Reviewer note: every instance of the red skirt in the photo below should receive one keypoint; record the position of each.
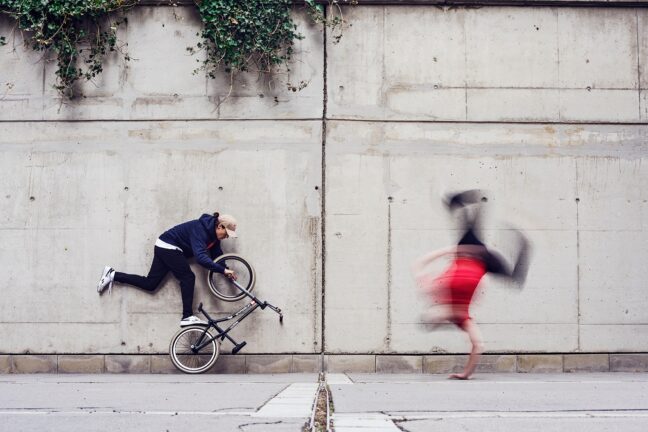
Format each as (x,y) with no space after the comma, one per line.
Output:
(457,285)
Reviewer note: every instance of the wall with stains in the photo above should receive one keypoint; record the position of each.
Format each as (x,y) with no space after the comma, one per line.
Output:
(543,107)
(95,181)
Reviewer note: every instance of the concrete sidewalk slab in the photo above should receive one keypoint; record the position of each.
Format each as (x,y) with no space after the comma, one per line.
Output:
(109,402)
(590,402)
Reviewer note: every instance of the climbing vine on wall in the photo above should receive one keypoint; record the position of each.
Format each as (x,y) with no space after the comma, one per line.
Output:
(80,33)
(254,35)
(237,35)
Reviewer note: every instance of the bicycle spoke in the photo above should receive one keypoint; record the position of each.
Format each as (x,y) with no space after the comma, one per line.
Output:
(188,360)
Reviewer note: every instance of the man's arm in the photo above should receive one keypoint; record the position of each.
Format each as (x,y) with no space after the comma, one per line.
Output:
(215,251)
(199,248)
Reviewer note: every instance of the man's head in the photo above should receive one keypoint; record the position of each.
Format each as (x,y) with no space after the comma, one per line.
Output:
(226,227)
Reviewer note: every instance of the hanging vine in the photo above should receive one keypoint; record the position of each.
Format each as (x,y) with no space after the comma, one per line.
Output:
(79,32)
(237,36)
(254,35)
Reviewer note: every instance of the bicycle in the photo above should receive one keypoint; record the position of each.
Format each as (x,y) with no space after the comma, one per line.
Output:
(195,349)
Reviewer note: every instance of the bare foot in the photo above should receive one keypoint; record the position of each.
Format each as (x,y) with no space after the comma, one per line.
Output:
(458,376)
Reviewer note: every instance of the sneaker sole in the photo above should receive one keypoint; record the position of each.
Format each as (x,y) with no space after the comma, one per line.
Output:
(102,285)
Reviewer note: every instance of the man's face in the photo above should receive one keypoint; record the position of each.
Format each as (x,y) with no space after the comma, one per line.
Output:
(221,232)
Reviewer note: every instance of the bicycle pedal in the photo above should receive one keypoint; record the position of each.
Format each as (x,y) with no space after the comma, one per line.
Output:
(238,347)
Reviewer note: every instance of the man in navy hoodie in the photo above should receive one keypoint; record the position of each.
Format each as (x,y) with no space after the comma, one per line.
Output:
(198,238)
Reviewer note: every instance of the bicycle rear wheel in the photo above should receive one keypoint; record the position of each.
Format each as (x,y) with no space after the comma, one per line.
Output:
(222,287)
(185,358)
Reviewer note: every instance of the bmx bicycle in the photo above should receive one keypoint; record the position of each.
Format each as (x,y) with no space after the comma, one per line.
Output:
(195,349)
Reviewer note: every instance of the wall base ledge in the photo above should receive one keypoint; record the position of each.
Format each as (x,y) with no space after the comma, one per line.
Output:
(332,363)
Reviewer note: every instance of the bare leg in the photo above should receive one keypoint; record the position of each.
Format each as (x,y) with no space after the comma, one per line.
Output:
(477,348)
(436,316)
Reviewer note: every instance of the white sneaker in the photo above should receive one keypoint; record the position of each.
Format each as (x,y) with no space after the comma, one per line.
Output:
(191,320)
(106,281)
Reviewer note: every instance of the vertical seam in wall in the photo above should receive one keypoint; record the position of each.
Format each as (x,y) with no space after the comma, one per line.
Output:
(323,187)
(389,275)
(383,99)
(578,272)
(43,89)
(465,34)
(558,65)
(638,66)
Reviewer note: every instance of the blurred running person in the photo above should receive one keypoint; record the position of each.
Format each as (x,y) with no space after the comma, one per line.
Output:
(454,289)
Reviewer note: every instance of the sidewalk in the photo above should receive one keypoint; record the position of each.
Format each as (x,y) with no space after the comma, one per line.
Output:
(590,402)
(593,402)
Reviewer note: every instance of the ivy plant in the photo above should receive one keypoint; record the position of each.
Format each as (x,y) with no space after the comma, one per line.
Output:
(253,35)
(79,32)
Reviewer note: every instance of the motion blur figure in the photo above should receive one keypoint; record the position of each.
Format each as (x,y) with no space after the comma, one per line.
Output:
(471,260)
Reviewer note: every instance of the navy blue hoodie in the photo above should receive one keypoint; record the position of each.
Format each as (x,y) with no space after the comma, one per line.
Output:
(194,237)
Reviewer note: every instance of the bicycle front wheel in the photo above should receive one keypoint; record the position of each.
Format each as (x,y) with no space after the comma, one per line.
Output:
(185,357)
(222,287)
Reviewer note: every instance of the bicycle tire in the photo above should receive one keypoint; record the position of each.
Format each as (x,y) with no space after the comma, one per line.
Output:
(184,358)
(221,286)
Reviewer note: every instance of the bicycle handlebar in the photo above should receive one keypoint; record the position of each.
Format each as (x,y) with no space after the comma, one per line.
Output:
(262,304)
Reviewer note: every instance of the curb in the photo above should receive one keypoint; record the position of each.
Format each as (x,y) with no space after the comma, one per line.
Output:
(334,363)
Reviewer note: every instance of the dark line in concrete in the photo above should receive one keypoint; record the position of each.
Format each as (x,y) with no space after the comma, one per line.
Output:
(323,187)
(558,65)
(169,120)
(449,3)
(465,36)
(638,66)
(500,3)
(43,87)
(404,353)
(578,272)
(432,416)
(344,119)
(419,87)
(389,276)
(491,122)
(502,353)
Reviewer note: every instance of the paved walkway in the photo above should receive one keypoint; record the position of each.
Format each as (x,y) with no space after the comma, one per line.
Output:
(493,402)
(362,402)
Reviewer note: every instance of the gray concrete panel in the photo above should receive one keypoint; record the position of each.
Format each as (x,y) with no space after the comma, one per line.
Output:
(598,48)
(78,191)
(511,47)
(488,64)
(21,75)
(97,202)
(403,170)
(159,81)
(612,283)
(624,337)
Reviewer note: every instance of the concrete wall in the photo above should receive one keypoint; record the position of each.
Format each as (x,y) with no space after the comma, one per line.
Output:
(545,107)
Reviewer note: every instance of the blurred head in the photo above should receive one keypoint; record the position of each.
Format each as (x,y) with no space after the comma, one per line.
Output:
(455,201)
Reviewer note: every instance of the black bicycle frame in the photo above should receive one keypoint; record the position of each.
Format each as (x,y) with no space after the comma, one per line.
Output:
(244,311)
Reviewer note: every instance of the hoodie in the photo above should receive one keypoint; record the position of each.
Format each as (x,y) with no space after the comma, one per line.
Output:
(197,238)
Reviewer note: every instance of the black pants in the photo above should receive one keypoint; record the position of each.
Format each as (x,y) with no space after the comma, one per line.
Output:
(165,260)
